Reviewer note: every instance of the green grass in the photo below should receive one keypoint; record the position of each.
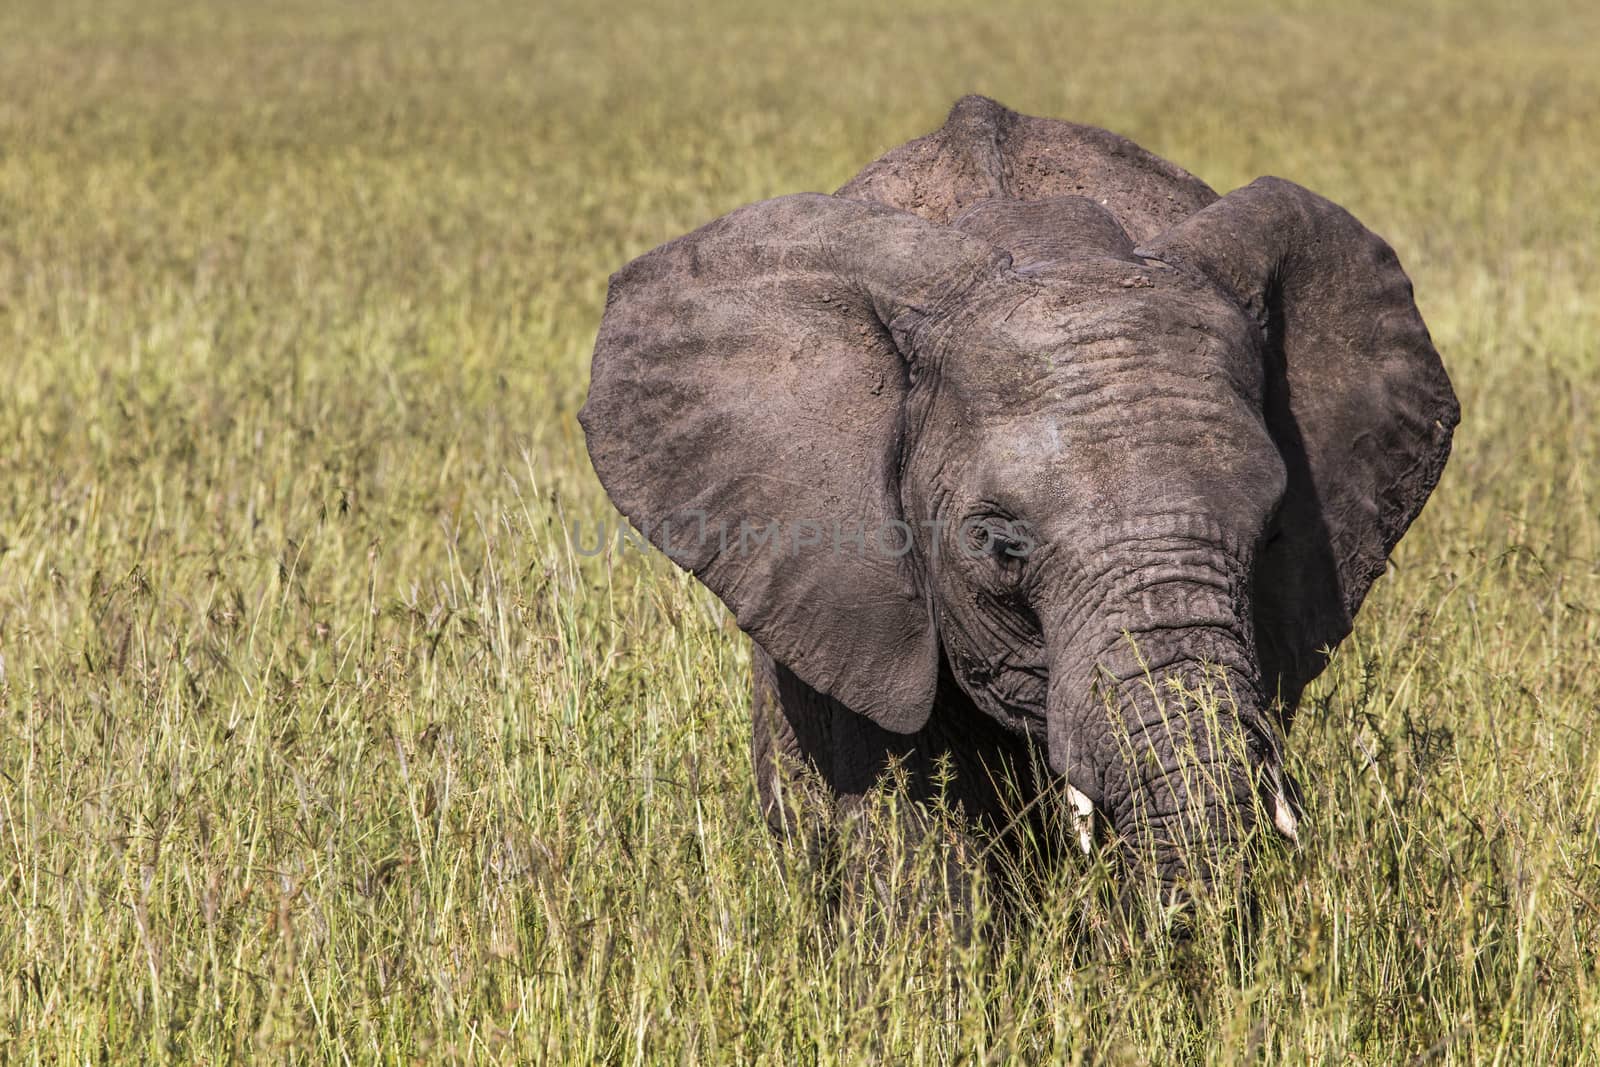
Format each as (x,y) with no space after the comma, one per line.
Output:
(319,742)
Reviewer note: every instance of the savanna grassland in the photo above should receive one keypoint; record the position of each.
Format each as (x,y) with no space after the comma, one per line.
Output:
(319,741)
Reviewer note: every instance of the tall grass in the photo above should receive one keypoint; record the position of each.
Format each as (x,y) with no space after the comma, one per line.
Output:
(319,740)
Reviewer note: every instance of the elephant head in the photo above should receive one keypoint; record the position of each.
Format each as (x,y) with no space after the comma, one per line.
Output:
(1066,465)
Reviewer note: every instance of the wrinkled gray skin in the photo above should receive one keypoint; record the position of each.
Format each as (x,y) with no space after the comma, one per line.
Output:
(1215,416)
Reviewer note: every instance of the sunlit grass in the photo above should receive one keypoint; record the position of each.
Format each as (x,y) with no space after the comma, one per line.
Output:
(318,739)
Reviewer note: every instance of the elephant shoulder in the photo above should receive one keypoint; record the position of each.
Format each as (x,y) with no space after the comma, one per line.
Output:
(986,150)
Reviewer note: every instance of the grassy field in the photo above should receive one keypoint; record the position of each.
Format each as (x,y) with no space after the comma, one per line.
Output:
(319,742)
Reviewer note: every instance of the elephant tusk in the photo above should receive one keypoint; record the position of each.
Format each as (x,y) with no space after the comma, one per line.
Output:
(1283,817)
(1082,818)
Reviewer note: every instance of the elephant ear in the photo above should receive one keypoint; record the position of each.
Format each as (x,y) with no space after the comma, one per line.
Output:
(1356,398)
(744,412)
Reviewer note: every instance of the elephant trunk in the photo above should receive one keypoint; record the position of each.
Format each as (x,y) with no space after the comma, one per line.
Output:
(1155,712)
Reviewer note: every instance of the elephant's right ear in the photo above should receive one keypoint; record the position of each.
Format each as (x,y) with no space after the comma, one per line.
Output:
(744,413)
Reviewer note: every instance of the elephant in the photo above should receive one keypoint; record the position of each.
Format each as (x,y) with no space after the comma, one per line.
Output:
(1009,452)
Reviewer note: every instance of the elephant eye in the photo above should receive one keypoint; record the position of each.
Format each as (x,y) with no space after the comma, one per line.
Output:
(1001,544)
(1002,541)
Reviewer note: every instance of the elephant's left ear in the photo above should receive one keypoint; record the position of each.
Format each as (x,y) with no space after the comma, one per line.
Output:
(1356,399)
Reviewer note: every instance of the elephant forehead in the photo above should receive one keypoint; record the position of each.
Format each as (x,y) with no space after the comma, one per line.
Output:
(1070,468)
(1119,328)
(1094,397)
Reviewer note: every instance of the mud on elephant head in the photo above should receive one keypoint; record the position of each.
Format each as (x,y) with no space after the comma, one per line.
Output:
(1120,430)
